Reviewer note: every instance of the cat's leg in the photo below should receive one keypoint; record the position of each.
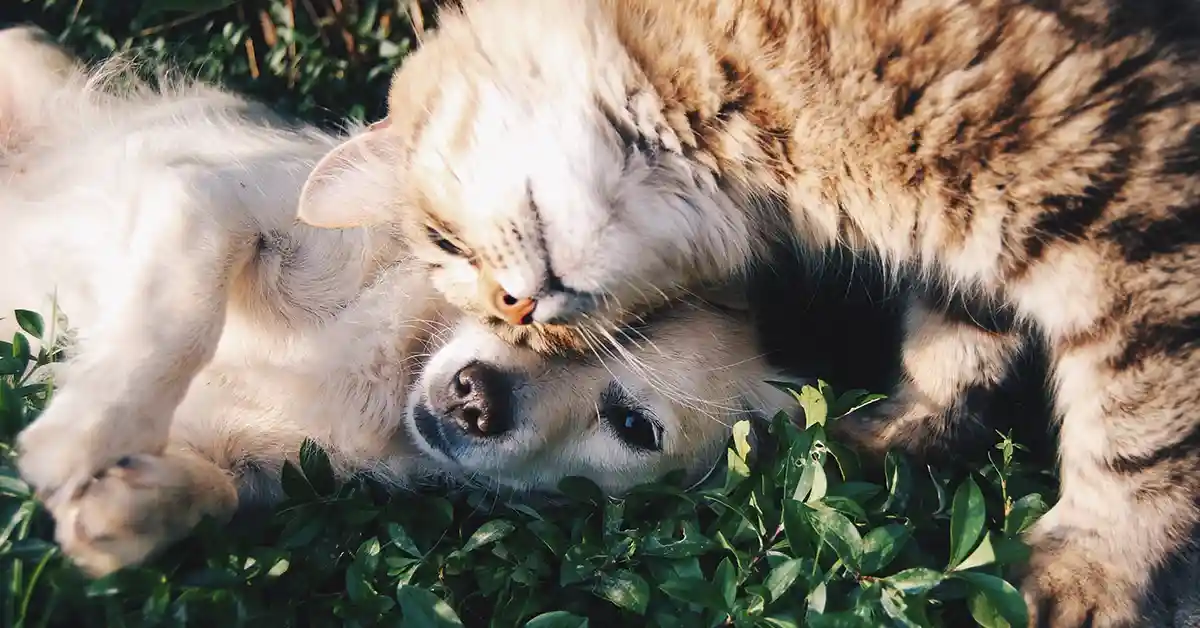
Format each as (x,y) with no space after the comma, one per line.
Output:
(951,362)
(160,325)
(1128,391)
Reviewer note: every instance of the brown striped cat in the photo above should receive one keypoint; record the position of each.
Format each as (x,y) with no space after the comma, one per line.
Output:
(563,166)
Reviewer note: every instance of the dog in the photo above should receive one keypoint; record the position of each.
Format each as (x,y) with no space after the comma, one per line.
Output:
(210,334)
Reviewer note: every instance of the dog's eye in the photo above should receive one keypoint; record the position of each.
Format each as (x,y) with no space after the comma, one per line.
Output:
(443,243)
(634,428)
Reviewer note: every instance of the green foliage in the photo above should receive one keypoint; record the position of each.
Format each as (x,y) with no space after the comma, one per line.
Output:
(791,534)
(796,534)
(324,60)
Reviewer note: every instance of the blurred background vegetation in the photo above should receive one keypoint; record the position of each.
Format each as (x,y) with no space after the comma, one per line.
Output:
(323,60)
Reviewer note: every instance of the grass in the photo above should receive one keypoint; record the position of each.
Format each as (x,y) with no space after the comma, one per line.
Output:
(797,533)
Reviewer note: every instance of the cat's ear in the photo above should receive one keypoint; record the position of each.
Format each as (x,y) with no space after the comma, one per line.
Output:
(355,185)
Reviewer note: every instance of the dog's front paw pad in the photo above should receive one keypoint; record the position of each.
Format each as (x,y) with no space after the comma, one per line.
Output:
(72,439)
(125,513)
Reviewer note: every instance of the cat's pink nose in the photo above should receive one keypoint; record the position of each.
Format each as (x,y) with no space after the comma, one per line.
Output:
(512,310)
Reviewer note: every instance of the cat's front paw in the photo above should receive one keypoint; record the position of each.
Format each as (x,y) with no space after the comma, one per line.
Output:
(893,423)
(1066,587)
(914,425)
(81,434)
(124,514)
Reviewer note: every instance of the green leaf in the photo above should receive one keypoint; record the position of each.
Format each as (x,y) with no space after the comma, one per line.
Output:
(852,401)
(12,485)
(581,489)
(984,554)
(797,527)
(899,482)
(368,554)
(31,323)
(1010,550)
(837,620)
(881,546)
(939,489)
(726,581)
(820,483)
(314,462)
(20,347)
(816,408)
(358,587)
(557,619)
(1024,513)
(401,539)
(696,591)
(907,611)
(817,598)
(153,9)
(487,534)
(690,543)
(836,529)
(967,514)
(294,484)
(915,581)
(625,589)
(781,621)
(783,576)
(550,535)
(741,439)
(424,609)
(736,470)
(10,365)
(994,601)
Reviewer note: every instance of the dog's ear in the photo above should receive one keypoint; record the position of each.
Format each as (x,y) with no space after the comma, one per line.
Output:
(34,68)
(355,184)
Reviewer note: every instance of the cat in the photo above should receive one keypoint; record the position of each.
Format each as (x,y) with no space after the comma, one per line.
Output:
(563,166)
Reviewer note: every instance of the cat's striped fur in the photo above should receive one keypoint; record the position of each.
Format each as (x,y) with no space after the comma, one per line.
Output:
(599,157)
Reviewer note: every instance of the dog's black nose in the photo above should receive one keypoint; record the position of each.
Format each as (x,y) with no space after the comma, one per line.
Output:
(480,402)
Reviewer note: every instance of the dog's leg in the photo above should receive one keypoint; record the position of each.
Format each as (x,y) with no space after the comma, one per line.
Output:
(135,508)
(160,326)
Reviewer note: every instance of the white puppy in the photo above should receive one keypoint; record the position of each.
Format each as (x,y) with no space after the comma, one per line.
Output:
(212,334)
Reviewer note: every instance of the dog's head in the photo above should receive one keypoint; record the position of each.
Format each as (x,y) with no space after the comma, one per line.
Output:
(656,398)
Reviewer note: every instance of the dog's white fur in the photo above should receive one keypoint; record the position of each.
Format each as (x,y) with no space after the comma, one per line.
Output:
(213,334)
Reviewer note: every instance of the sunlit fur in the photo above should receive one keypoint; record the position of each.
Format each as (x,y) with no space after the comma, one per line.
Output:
(1037,158)
(211,335)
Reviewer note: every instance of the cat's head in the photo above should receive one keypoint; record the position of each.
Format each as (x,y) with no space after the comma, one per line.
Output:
(534,176)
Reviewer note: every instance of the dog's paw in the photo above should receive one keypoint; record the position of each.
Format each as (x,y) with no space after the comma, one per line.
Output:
(1065,587)
(79,435)
(124,514)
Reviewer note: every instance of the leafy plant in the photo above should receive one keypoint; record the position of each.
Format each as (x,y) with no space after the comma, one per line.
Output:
(791,534)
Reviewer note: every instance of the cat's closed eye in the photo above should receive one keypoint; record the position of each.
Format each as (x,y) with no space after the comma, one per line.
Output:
(444,243)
